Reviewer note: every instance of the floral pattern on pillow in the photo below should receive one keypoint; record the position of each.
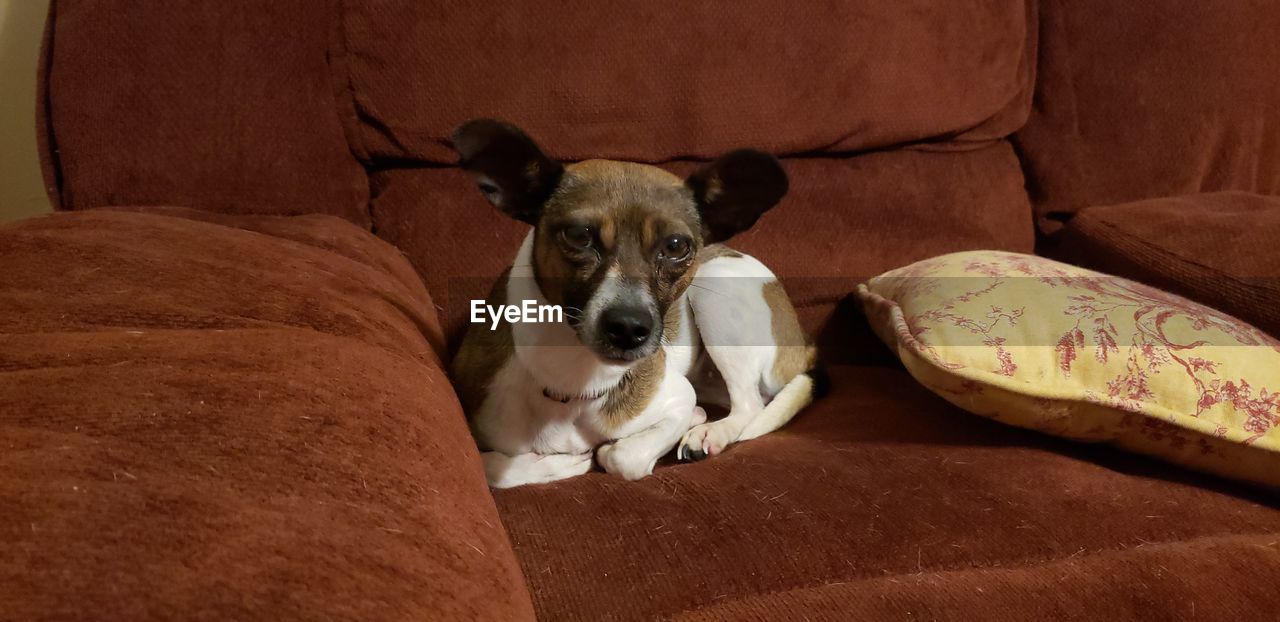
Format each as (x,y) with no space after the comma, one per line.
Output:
(1068,351)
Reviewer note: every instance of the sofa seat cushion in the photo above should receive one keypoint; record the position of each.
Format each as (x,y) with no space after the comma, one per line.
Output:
(1219,249)
(216,417)
(884,499)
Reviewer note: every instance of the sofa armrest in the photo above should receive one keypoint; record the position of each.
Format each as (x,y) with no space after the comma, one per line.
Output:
(1217,248)
(203,421)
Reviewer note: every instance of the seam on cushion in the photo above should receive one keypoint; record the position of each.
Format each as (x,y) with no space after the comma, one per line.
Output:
(1072,97)
(343,82)
(946,144)
(364,120)
(1040,136)
(345,110)
(905,339)
(268,326)
(50,162)
(1030,62)
(1237,539)
(426,358)
(1020,101)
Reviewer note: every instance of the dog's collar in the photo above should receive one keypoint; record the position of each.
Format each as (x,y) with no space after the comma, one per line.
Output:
(564,398)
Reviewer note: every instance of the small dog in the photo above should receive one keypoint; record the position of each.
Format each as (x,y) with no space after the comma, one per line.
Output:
(629,252)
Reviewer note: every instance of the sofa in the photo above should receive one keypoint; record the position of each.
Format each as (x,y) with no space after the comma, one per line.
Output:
(222,360)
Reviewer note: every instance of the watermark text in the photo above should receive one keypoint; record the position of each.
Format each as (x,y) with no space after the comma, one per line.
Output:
(528,311)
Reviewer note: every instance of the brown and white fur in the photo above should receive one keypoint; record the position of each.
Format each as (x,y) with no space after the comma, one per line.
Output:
(660,317)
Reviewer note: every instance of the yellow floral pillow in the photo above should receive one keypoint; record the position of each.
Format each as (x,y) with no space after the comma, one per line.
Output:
(1063,350)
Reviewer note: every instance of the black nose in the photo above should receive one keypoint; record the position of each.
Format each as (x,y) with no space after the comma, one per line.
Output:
(626,327)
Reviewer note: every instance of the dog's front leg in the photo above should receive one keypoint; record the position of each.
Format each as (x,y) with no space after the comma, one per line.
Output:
(633,457)
(505,471)
(740,368)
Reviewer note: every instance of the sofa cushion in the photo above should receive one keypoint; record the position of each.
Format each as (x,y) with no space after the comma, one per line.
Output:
(659,81)
(1218,248)
(1067,351)
(883,501)
(856,217)
(215,417)
(227,106)
(1100,585)
(1136,100)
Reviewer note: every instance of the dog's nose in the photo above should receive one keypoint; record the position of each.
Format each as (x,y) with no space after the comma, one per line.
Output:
(626,327)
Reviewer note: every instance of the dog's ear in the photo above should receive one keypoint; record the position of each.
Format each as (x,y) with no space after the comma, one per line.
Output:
(508,166)
(735,190)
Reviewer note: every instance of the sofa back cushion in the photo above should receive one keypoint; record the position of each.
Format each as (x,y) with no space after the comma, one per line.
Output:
(654,81)
(1138,100)
(227,106)
(671,82)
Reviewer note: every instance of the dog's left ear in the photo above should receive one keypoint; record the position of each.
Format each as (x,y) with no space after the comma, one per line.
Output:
(509,167)
(735,190)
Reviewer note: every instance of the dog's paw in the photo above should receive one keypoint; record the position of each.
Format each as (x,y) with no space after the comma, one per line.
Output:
(560,466)
(704,440)
(505,472)
(625,461)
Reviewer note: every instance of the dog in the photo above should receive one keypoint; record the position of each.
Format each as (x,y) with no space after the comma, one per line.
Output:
(659,314)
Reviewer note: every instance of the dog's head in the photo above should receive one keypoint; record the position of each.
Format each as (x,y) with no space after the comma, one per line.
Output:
(615,243)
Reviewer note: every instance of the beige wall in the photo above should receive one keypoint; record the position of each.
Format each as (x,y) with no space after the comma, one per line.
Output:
(21,188)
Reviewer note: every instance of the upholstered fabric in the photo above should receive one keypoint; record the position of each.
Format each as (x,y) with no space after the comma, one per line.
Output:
(1138,100)
(1142,582)
(1076,353)
(1219,249)
(232,418)
(655,81)
(882,501)
(228,106)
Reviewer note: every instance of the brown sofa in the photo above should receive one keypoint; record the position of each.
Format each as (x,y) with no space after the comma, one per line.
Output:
(222,396)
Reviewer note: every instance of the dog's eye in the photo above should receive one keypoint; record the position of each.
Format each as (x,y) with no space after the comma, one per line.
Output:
(577,237)
(676,248)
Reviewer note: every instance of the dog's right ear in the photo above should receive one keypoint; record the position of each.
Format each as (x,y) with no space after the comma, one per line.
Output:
(508,166)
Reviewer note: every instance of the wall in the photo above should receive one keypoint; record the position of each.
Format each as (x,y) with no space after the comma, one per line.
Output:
(22,191)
